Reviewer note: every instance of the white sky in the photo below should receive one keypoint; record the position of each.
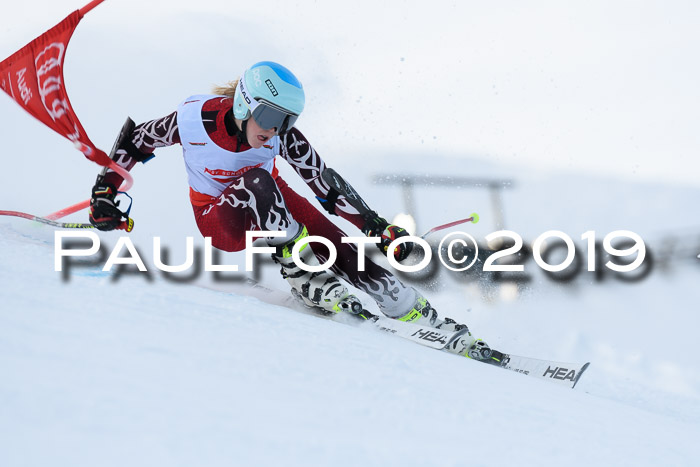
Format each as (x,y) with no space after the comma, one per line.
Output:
(597,86)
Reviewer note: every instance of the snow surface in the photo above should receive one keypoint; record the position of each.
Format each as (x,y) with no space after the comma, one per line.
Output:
(589,109)
(143,373)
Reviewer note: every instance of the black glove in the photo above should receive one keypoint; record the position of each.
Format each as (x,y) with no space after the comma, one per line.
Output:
(329,201)
(376,226)
(104,214)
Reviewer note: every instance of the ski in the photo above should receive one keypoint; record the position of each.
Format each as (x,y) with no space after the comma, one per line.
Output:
(561,373)
(423,335)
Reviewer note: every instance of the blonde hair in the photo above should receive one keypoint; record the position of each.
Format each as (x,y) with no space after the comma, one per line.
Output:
(228,90)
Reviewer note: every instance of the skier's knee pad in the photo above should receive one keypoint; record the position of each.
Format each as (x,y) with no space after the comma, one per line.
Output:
(260,182)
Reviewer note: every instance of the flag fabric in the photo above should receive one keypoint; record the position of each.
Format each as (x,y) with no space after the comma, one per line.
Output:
(33,77)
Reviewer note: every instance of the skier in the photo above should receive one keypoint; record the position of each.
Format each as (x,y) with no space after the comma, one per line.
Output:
(230,141)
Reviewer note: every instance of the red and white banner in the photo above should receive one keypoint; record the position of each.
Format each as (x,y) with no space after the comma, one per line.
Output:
(33,76)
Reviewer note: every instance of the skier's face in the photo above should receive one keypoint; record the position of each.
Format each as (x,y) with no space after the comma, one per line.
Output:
(256,135)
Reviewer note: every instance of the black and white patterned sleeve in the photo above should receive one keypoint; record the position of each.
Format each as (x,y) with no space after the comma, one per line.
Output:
(298,152)
(146,138)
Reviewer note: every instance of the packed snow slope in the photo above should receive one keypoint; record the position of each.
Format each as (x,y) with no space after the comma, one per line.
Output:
(142,371)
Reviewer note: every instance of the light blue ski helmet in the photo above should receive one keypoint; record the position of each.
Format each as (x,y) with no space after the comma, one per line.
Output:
(271,94)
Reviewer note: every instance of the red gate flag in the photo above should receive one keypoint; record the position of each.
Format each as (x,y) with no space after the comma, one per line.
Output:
(33,76)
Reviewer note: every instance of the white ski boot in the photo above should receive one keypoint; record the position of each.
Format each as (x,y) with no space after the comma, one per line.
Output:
(315,289)
(467,346)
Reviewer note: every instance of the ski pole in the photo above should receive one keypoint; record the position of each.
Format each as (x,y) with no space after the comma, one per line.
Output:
(127,225)
(126,185)
(474,218)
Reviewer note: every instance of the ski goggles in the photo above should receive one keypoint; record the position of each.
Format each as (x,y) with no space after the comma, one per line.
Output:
(266,114)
